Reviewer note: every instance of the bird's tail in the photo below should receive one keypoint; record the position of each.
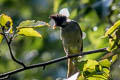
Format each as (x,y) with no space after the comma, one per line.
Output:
(71,68)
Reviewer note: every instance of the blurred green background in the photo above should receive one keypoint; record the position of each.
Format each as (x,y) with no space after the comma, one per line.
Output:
(94,17)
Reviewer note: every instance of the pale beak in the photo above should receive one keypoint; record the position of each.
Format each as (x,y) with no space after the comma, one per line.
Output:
(54,27)
(52,23)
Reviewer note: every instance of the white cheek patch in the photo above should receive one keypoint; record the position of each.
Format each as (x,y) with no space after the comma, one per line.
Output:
(64,12)
(52,23)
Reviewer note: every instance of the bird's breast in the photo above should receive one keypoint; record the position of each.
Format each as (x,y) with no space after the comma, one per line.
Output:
(71,38)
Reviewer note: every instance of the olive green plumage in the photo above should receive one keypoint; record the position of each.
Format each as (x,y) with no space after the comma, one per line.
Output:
(71,36)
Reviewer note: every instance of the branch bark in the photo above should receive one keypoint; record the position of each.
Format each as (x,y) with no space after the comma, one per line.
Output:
(50,62)
(9,46)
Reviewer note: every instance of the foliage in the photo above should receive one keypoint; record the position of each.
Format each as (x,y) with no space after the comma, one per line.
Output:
(93,70)
(94,16)
(114,37)
(25,27)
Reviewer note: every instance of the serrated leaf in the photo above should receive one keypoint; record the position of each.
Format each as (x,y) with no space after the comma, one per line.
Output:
(113,28)
(29,32)
(6,21)
(31,24)
(114,58)
(1,38)
(105,63)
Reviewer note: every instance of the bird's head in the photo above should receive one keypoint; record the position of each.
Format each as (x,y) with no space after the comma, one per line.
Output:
(57,20)
(60,18)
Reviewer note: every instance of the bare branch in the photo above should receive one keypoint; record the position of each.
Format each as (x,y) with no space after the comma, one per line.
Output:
(5,78)
(13,36)
(107,55)
(9,46)
(51,62)
(1,33)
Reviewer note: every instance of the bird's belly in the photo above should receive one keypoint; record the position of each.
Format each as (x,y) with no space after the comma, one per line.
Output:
(71,40)
(71,45)
(74,49)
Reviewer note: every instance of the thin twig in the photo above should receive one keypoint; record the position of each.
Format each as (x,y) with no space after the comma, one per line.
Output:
(5,78)
(107,55)
(51,62)
(1,33)
(11,38)
(9,46)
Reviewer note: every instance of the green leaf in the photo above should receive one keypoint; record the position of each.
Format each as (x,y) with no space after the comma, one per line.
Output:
(56,5)
(95,78)
(105,63)
(80,65)
(81,77)
(114,58)
(1,38)
(29,32)
(114,42)
(93,70)
(103,75)
(6,21)
(31,24)
(106,72)
(90,65)
(73,14)
(26,27)
(113,28)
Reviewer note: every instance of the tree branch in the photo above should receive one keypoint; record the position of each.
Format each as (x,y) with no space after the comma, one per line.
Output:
(5,78)
(9,46)
(1,33)
(50,62)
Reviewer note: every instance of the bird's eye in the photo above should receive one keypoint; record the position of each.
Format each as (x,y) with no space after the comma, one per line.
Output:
(64,12)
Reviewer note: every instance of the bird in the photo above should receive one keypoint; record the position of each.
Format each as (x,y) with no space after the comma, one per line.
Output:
(71,36)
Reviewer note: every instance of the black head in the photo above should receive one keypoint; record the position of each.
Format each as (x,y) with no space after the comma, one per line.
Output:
(59,19)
